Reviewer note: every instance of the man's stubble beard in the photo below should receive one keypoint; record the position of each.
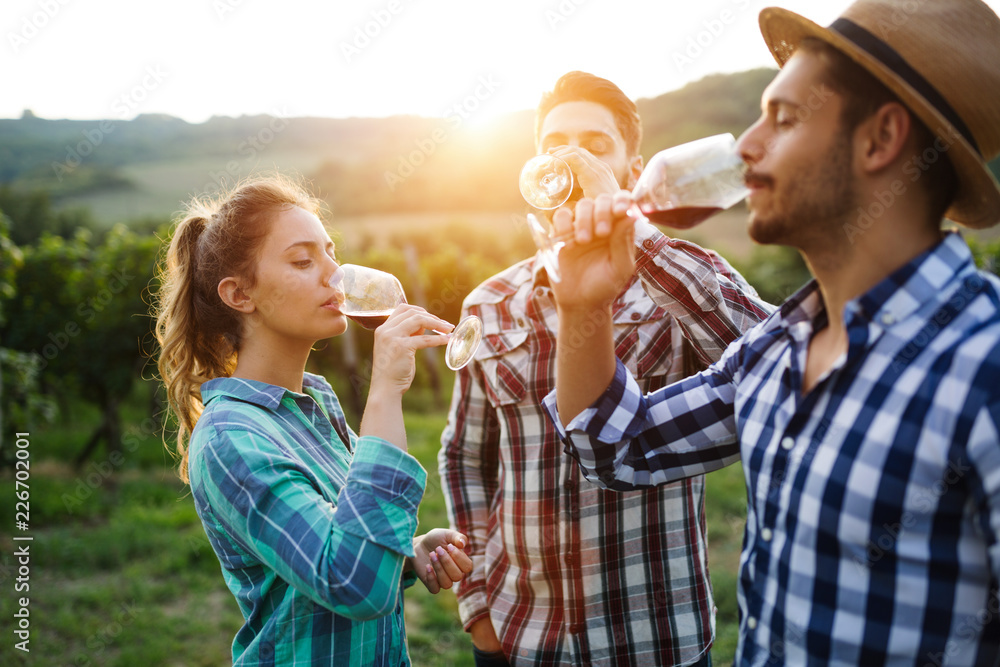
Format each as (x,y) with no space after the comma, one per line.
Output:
(813,208)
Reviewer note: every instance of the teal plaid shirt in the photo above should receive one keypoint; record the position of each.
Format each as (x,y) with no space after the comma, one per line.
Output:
(311,524)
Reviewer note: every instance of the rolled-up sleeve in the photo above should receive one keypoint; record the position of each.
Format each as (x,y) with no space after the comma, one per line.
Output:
(626,440)
(710,300)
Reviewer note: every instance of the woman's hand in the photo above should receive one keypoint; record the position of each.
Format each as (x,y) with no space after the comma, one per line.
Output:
(439,560)
(396,345)
(393,366)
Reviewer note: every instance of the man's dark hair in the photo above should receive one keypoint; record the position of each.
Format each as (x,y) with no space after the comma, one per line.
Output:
(863,95)
(584,87)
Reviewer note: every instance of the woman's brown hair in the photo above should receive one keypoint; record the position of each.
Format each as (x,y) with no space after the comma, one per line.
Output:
(198,334)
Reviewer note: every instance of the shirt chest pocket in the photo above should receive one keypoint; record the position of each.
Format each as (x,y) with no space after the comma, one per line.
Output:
(504,358)
(648,343)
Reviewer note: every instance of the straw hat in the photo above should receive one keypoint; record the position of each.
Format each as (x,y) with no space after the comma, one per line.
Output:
(942,59)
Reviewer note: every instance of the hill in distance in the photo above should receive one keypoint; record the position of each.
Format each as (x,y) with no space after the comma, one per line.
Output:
(148,166)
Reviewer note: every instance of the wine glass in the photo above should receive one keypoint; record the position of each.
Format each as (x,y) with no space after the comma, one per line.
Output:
(371,295)
(680,187)
(546,182)
(686,184)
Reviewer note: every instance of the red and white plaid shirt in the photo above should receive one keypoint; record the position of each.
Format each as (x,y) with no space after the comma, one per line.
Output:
(570,573)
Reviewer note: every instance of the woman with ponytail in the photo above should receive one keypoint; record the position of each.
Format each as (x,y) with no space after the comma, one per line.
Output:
(313,525)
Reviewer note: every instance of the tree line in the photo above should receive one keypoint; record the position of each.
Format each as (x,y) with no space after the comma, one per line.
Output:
(76,324)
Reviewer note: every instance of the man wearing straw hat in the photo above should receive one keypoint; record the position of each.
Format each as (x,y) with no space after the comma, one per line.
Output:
(866,410)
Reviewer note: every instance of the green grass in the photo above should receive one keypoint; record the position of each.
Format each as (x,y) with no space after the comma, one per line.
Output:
(122,573)
(725,516)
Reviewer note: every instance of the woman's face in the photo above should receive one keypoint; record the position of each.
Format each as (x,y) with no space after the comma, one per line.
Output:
(293,300)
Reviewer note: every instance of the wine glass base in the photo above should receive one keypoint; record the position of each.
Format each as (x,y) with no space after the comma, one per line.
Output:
(464,342)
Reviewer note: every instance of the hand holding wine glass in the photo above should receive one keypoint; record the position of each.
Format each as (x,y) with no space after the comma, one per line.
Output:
(679,188)
(371,296)
(592,175)
(595,270)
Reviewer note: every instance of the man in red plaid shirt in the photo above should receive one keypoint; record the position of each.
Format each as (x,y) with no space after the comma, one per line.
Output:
(566,573)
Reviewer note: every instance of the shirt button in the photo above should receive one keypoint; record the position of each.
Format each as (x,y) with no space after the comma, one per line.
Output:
(539,292)
(648,244)
(520,322)
(635,317)
(766,535)
(752,623)
(788,442)
(888,319)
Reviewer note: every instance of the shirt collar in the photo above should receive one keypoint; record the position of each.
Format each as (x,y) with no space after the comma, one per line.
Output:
(539,274)
(803,312)
(265,395)
(631,306)
(495,291)
(500,286)
(897,296)
(919,282)
(630,294)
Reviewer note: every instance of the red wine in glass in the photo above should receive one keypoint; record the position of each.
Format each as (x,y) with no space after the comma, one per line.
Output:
(679,188)
(371,296)
(370,321)
(684,185)
(682,217)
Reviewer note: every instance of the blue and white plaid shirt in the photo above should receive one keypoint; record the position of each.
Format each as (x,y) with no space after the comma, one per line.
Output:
(873,500)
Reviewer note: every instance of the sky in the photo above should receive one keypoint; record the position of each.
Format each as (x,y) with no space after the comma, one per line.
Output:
(95,59)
